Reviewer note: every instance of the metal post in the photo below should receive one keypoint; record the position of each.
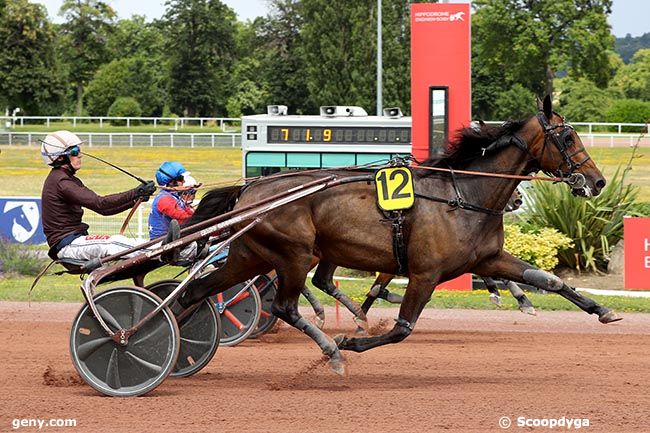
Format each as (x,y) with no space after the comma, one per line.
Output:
(74,122)
(101,122)
(379,60)
(233,140)
(90,140)
(171,139)
(151,140)
(110,140)
(130,140)
(128,122)
(212,139)
(48,122)
(192,140)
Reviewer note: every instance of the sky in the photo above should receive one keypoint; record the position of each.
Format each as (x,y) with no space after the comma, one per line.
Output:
(628,16)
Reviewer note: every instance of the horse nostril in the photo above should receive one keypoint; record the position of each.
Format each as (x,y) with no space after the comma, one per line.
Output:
(600,184)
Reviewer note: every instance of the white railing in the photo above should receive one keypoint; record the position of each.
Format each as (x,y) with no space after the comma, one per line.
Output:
(590,127)
(176,122)
(233,139)
(135,139)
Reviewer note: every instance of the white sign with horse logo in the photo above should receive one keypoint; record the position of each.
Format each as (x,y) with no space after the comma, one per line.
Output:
(20,220)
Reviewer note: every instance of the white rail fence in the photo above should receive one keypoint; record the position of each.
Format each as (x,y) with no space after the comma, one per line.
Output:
(202,122)
(233,139)
(135,139)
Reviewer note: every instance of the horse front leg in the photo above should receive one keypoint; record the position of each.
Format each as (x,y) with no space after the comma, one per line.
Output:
(379,290)
(316,305)
(418,293)
(525,306)
(491,285)
(508,267)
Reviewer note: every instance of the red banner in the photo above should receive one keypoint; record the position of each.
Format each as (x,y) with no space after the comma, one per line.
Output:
(441,58)
(636,233)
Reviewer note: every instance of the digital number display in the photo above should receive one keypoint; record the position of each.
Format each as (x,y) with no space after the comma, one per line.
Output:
(338,135)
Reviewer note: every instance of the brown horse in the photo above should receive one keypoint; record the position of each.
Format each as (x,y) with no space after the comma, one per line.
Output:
(453,227)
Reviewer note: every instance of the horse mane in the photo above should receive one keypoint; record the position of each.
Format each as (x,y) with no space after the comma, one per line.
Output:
(470,143)
(215,202)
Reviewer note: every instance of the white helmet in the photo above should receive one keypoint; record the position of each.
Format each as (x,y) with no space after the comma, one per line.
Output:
(189,181)
(56,144)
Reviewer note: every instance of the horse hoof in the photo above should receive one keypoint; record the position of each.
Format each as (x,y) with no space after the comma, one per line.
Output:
(361,332)
(495,299)
(319,322)
(338,366)
(362,324)
(609,317)
(528,310)
(339,340)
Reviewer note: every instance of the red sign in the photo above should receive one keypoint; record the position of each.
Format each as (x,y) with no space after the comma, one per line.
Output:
(636,232)
(440,57)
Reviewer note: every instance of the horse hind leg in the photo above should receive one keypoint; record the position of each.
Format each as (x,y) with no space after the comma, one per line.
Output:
(291,280)
(324,279)
(552,283)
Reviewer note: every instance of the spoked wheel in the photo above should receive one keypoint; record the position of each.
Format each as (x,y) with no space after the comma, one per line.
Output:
(239,313)
(139,366)
(200,333)
(267,289)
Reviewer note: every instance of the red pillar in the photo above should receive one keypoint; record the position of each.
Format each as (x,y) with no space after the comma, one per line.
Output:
(440,56)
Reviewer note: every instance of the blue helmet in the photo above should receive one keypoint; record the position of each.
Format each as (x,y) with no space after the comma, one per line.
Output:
(169,171)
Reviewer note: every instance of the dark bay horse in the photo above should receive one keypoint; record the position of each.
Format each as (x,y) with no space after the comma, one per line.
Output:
(323,279)
(444,239)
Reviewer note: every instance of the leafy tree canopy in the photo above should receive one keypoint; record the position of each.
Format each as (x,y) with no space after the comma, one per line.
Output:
(29,71)
(529,42)
(201,48)
(633,79)
(84,33)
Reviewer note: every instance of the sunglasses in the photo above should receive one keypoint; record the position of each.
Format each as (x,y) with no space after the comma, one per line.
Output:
(73,151)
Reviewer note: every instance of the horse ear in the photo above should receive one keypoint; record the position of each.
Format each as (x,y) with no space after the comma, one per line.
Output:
(548,107)
(540,105)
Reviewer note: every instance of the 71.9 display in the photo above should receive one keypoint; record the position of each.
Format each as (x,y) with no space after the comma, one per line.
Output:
(338,135)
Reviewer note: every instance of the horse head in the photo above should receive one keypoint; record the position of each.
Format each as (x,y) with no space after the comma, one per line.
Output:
(558,151)
(17,216)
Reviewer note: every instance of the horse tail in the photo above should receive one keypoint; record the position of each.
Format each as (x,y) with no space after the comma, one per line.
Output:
(216,202)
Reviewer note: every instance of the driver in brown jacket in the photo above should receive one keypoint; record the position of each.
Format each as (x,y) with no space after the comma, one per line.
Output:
(64,196)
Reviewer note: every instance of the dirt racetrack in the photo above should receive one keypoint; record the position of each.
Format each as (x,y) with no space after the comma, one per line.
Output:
(460,371)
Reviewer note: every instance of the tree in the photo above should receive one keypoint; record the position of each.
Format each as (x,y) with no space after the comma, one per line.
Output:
(84,33)
(29,71)
(134,37)
(582,101)
(339,51)
(634,79)
(629,111)
(200,43)
(279,49)
(530,42)
(139,77)
(514,103)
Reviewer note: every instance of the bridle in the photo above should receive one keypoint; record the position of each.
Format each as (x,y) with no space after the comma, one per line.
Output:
(561,135)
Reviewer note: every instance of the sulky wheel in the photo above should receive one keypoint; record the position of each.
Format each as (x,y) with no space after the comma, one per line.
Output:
(137,367)
(239,313)
(267,289)
(200,332)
